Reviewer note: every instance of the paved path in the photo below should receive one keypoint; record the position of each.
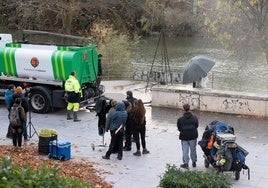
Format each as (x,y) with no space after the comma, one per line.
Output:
(162,141)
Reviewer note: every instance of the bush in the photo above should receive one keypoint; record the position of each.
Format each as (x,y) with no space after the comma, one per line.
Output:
(14,176)
(176,178)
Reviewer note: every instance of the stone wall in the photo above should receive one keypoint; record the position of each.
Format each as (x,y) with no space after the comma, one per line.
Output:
(210,100)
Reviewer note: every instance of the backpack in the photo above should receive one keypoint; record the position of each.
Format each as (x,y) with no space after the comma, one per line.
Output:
(14,117)
(222,128)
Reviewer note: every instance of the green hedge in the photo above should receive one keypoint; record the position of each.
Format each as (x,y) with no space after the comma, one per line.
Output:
(177,178)
(14,176)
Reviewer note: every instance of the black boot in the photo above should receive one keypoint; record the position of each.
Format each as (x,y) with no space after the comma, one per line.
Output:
(69,115)
(75,117)
(9,132)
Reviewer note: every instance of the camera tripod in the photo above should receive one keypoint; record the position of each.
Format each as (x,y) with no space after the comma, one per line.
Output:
(30,125)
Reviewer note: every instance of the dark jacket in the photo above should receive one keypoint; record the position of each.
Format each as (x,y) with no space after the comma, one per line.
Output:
(120,116)
(187,125)
(99,67)
(130,97)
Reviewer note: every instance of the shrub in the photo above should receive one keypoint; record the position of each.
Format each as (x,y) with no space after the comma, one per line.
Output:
(176,178)
(14,176)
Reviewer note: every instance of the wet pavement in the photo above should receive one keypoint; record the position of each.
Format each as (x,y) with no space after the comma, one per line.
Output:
(161,139)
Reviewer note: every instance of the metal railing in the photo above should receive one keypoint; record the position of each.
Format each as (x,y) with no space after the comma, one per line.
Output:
(216,80)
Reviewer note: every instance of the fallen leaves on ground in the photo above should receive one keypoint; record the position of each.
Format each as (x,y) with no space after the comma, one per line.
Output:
(71,168)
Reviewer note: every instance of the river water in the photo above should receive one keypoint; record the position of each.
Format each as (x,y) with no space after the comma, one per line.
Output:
(227,74)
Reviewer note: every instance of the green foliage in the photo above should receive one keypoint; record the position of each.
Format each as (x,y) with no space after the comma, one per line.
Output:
(176,178)
(142,17)
(117,51)
(14,176)
(239,25)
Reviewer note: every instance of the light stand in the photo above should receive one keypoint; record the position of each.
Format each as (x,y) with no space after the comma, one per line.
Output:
(30,125)
(165,68)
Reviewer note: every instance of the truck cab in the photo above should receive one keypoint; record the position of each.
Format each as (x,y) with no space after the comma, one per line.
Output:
(42,70)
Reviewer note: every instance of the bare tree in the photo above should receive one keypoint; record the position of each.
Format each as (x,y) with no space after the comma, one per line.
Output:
(240,25)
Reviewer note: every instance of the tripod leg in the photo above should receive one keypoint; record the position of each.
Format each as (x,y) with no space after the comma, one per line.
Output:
(30,126)
(35,132)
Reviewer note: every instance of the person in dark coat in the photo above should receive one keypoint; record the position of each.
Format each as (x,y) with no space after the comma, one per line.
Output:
(17,130)
(129,126)
(130,97)
(187,126)
(99,76)
(119,121)
(8,97)
(24,103)
(101,113)
(100,56)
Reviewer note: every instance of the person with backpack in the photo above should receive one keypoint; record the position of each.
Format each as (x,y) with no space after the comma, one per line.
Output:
(16,119)
(20,94)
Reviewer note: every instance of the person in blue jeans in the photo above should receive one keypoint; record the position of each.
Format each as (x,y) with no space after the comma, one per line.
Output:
(187,126)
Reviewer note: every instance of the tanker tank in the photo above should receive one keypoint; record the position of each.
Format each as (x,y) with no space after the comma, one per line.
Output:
(49,62)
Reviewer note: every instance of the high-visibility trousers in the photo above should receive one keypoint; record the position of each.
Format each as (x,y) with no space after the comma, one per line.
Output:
(73,106)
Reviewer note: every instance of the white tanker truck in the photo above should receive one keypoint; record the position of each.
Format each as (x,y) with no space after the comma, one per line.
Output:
(43,69)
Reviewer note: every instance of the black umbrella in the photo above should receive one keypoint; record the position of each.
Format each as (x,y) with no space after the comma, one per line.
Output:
(197,68)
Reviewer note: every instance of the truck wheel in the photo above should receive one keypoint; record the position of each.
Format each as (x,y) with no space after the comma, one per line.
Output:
(40,100)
